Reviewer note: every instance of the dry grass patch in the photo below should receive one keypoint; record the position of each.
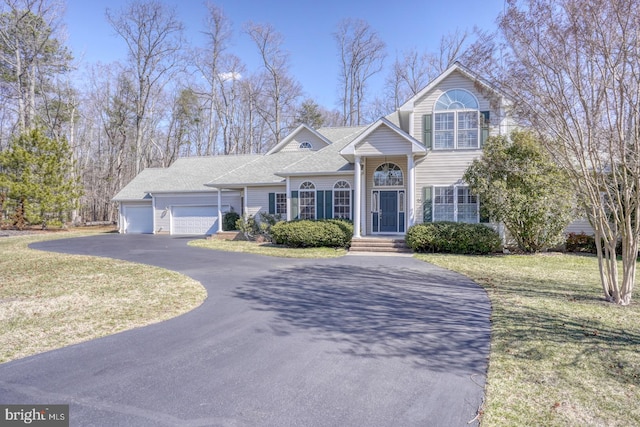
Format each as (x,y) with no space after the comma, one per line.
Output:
(268,249)
(50,300)
(560,355)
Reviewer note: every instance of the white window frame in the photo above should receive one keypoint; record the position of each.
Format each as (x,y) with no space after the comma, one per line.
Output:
(307,191)
(448,106)
(456,202)
(305,145)
(396,170)
(281,206)
(339,188)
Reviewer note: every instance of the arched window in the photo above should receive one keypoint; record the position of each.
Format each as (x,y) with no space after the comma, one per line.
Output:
(387,175)
(456,120)
(342,200)
(305,145)
(307,199)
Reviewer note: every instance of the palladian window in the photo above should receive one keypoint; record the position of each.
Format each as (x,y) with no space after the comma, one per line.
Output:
(456,121)
(388,175)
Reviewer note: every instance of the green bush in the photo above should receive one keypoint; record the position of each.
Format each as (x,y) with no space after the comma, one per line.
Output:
(308,233)
(453,237)
(229,221)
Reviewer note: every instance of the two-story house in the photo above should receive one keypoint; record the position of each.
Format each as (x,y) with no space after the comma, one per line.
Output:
(403,169)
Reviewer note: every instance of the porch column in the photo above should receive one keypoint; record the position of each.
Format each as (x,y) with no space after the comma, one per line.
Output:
(358,197)
(219,210)
(245,203)
(288,190)
(411,190)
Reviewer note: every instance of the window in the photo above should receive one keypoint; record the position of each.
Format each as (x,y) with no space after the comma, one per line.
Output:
(456,204)
(281,204)
(307,197)
(305,145)
(387,175)
(456,121)
(342,200)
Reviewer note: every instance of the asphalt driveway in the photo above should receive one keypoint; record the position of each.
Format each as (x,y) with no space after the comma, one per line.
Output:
(352,341)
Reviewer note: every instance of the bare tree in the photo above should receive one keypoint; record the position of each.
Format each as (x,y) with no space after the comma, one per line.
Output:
(280,90)
(31,54)
(362,54)
(154,40)
(573,73)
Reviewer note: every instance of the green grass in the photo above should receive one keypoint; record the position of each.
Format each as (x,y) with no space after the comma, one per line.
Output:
(560,354)
(267,249)
(50,300)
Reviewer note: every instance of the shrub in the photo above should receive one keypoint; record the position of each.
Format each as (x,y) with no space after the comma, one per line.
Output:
(308,233)
(453,237)
(229,221)
(580,243)
(254,228)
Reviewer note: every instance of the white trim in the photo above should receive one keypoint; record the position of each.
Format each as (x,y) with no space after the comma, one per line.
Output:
(333,197)
(411,191)
(288,191)
(398,211)
(245,203)
(455,202)
(358,197)
(219,211)
(315,198)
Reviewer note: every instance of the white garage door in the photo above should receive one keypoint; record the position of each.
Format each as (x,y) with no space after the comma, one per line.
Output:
(138,219)
(194,219)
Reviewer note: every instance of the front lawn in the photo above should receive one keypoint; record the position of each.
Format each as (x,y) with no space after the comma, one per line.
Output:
(268,249)
(50,300)
(560,354)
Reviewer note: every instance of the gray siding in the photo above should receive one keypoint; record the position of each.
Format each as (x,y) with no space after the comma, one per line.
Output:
(304,135)
(382,141)
(441,168)
(257,198)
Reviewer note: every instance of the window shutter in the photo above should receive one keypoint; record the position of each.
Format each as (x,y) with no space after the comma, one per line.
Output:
(427,204)
(272,203)
(320,204)
(426,130)
(295,214)
(485,120)
(328,204)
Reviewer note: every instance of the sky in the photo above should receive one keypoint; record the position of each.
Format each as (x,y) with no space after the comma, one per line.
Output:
(306,26)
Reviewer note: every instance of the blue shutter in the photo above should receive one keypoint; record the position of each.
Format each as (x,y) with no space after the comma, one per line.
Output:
(328,204)
(485,120)
(272,203)
(427,204)
(426,130)
(320,204)
(295,214)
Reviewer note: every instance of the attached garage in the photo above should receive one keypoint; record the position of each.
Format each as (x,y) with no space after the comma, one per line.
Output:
(197,220)
(137,219)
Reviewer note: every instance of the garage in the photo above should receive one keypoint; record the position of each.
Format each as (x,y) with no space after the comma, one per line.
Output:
(138,219)
(194,219)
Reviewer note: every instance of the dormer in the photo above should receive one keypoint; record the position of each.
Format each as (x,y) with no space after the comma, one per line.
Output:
(302,139)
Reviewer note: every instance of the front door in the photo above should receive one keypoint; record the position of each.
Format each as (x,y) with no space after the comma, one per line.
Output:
(388,211)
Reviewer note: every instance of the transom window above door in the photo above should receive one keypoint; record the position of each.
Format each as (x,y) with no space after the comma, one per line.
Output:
(388,175)
(456,121)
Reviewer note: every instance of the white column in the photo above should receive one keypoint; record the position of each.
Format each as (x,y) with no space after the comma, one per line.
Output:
(358,196)
(288,190)
(219,210)
(411,190)
(245,203)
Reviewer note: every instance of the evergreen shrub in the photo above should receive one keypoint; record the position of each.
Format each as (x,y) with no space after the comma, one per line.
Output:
(453,237)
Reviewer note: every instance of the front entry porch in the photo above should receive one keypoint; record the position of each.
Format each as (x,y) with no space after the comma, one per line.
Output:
(388,211)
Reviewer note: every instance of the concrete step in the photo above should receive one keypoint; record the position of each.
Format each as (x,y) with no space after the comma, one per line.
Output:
(379,245)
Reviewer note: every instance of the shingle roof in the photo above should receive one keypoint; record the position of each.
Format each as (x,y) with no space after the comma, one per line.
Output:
(138,187)
(328,159)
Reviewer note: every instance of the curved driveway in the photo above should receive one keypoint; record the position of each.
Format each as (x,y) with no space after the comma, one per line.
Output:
(352,341)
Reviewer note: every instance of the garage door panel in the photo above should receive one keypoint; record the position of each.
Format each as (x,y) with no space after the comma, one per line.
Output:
(138,219)
(194,219)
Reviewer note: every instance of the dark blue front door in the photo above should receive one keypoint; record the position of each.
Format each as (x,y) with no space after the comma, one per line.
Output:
(389,211)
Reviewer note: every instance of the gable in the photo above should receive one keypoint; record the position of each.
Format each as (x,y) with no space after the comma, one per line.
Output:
(304,136)
(383,141)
